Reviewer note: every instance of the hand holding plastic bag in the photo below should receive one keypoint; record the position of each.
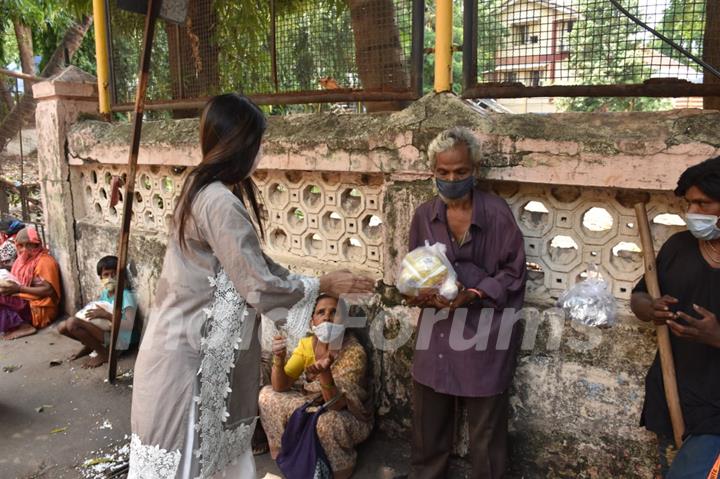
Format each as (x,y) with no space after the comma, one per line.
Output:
(590,302)
(427,267)
(7,278)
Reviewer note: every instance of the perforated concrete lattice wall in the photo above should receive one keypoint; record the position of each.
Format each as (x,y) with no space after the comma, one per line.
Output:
(156,191)
(337,218)
(566,228)
(332,217)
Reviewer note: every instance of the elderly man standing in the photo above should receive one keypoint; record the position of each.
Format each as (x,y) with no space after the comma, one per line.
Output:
(465,352)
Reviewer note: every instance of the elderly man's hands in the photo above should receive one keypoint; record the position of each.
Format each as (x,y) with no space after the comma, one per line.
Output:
(705,329)
(429,298)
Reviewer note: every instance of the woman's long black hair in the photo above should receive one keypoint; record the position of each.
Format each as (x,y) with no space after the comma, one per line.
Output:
(231,130)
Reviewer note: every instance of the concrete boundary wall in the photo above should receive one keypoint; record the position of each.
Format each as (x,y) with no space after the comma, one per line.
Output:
(340,190)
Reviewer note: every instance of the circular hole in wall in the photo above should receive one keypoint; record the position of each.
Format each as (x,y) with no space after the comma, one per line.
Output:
(279,239)
(534,215)
(353,250)
(626,256)
(565,194)
(597,220)
(145,182)
(563,250)
(312,195)
(372,226)
(669,219)
(278,195)
(332,222)
(167,184)
(314,244)
(351,201)
(296,217)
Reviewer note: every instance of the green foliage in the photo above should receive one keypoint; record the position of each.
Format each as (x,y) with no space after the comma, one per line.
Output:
(684,23)
(48,20)
(606,49)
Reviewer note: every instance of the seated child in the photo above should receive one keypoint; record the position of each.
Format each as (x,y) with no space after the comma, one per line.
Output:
(92,326)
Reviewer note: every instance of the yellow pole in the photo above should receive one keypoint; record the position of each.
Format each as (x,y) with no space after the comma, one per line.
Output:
(102,56)
(443,45)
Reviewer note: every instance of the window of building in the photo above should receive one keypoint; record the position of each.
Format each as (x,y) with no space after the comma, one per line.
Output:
(511,77)
(535,77)
(521,34)
(564,31)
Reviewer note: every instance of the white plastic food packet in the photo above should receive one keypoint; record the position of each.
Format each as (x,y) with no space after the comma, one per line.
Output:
(427,267)
(6,277)
(590,302)
(82,314)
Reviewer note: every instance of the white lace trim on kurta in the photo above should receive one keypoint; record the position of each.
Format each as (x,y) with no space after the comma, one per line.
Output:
(151,462)
(220,446)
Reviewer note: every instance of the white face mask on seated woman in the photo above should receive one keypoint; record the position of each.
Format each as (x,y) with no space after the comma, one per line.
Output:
(328,332)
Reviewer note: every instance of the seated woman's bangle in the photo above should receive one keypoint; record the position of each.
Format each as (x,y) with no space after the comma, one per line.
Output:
(328,386)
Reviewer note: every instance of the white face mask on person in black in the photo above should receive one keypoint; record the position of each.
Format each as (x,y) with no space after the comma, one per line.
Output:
(703,227)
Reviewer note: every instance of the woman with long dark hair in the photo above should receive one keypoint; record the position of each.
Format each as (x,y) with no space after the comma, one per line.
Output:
(196,382)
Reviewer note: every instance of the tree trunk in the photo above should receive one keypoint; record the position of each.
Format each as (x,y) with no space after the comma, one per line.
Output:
(23,36)
(5,97)
(378,52)
(194,54)
(25,108)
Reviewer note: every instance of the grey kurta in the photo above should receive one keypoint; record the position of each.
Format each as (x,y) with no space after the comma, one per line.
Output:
(200,354)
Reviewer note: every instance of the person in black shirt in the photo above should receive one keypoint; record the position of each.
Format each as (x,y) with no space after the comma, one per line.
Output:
(688,267)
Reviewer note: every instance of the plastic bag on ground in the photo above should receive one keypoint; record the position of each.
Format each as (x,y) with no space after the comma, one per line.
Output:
(427,267)
(590,302)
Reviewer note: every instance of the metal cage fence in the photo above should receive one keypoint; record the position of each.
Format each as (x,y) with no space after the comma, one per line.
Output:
(523,48)
(275,51)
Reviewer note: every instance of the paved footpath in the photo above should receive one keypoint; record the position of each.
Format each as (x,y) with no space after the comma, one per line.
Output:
(61,421)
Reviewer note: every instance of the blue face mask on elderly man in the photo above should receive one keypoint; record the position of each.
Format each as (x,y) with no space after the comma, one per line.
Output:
(457,189)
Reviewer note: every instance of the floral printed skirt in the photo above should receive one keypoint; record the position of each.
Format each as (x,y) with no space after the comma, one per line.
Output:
(339,431)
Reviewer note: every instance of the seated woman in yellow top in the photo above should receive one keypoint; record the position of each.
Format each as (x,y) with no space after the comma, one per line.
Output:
(330,362)
(39,283)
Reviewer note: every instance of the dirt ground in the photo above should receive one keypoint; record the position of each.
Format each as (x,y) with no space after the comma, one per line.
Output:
(11,167)
(60,421)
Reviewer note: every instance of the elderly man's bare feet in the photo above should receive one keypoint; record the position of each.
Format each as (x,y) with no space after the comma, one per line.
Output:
(95,362)
(83,352)
(20,332)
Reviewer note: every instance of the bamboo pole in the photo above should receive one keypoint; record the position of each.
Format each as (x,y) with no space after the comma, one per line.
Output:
(443,45)
(663,334)
(102,56)
(150,21)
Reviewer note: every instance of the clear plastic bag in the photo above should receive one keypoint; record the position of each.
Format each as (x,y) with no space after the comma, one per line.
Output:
(427,267)
(590,302)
